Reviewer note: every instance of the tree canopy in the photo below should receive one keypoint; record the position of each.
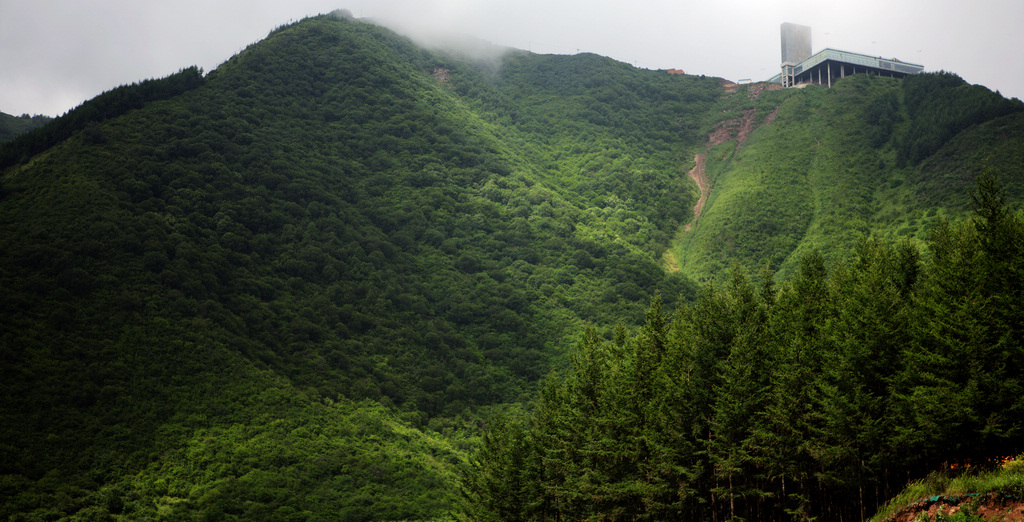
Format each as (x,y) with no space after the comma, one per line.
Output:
(320,280)
(814,398)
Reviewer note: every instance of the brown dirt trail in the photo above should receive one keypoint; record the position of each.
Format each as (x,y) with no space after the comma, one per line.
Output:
(738,129)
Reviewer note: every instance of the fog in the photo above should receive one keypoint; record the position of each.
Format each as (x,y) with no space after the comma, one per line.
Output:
(54,54)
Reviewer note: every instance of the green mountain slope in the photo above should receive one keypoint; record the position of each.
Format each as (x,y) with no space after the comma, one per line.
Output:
(319,220)
(13,126)
(298,287)
(815,399)
(870,157)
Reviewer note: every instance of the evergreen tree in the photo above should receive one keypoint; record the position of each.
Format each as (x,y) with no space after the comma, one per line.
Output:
(738,396)
(964,385)
(853,421)
(784,433)
(495,485)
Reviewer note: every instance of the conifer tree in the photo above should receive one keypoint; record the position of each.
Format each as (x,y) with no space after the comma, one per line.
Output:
(738,396)
(853,420)
(783,435)
(494,487)
(963,379)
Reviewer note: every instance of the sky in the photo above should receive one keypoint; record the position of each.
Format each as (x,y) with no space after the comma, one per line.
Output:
(55,54)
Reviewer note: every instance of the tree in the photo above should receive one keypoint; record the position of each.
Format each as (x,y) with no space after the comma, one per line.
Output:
(494,486)
(854,419)
(739,395)
(784,433)
(963,379)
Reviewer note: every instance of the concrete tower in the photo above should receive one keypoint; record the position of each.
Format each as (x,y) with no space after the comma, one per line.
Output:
(796,47)
(796,43)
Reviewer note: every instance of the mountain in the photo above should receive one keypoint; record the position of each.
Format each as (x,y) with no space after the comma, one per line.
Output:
(870,157)
(12,126)
(319,221)
(299,286)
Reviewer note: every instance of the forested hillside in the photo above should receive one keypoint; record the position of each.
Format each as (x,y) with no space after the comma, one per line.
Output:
(12,126)
(306,284)
(813,398)
(870,157)
(318,221)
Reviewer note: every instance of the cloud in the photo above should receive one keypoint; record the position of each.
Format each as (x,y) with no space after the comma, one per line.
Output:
(54,54)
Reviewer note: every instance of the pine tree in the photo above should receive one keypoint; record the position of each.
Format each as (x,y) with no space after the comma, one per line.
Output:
(738,396)
(495,487)
(783,433)
(868,330)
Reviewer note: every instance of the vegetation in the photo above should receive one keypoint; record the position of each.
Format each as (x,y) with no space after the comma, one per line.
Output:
(1002,484)
(87,116)
(222,261)
(813,399)
(12,126)
(319,281)
(940,106)
(871,157)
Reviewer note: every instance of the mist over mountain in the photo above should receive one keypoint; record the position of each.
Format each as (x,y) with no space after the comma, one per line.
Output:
(304,285)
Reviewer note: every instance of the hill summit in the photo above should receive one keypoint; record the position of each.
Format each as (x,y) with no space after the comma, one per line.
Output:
(299,286)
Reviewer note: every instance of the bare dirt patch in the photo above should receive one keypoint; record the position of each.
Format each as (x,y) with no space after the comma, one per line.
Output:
(990,507)
(738,129)
(756,89)
(443,76)
(698,174)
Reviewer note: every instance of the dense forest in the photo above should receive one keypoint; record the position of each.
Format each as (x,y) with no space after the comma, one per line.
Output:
(86,117)
(13,126)
(344,276)
(815,398)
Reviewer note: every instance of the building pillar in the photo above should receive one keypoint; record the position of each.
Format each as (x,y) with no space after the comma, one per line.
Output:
(829,65)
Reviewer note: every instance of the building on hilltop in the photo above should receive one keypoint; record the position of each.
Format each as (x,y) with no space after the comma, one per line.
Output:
(796,43)
(800,68)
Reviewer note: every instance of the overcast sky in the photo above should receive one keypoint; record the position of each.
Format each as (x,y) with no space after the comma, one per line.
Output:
(55,54)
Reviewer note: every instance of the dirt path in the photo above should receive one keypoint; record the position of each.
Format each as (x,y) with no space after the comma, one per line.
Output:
(698,174)
(738,129)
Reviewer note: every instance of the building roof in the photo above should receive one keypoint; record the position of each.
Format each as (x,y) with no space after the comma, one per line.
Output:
(857,59)
(876,62)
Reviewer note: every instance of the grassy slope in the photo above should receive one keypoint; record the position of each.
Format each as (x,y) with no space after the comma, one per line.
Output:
(830,170)
(760,203)
(969,489)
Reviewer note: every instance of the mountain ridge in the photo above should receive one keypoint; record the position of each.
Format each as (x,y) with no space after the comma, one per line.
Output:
(320,237)
(315,272)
